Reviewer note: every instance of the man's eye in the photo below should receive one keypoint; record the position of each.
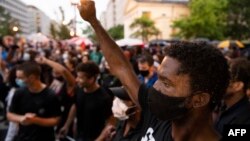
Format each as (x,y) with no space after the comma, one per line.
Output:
(166,84)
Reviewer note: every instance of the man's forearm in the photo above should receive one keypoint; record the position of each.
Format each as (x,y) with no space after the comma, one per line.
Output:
(71,116)
(63,71)
(14,117)
(113,54)
(58,67)
(46,122)
(119,65)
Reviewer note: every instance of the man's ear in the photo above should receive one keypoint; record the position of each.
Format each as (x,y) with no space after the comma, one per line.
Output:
(33,77)
(238,86)
(200,100)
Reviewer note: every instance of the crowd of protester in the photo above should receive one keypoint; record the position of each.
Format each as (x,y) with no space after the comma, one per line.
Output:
(183,91)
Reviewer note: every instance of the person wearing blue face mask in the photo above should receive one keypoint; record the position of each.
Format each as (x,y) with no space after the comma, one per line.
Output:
(20,83)
(34,107)
(13,86)
(148,75)
(192,79)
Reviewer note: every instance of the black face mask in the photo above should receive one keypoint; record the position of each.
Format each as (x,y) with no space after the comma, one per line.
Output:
(165,107)
(144,73)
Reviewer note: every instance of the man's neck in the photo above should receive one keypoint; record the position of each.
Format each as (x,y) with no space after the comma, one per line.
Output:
(230,101)
(36,87)
(194,128)
(92,88)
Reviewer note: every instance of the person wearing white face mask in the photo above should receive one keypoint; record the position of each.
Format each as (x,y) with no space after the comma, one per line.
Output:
(120,109)
(26,56)
(128,125)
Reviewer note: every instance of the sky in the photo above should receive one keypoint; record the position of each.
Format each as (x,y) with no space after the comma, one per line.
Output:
(51,8)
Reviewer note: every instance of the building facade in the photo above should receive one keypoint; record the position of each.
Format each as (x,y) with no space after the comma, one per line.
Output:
(18,11)
(30,18)
(114,14)
(162,12)
(39,21)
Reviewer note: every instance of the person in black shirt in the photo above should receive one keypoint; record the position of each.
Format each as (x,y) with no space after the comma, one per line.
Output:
(127,127)
(91,106)
(107,80)
(192,78)
(34,107)
(236,107)
(63,85)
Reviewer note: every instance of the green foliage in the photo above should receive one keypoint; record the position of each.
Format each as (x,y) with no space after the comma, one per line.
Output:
(89,32)
(64,32)
(7,23)
(145,28)
(117,32)
(53,31)
(238,23)
(207,19)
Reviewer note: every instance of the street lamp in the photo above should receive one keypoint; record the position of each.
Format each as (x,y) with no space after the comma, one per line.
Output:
(15,29)
(75,3)
(72,33)
(64,23)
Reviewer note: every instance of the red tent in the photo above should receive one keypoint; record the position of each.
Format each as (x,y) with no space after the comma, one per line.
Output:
(80,41)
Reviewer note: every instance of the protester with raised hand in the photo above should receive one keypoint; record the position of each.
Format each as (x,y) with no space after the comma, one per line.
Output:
(63,85)
(192,79)
(59,72)
(91,105)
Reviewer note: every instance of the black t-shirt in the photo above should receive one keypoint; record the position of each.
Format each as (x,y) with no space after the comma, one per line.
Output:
(61,91)
(44,104)
(238,114)
(134,134)
(93,109)
(153,129)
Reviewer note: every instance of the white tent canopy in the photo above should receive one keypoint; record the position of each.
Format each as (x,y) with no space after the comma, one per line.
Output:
(129,42)
(37,37)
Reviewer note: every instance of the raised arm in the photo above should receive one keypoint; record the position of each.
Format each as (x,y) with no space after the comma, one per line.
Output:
(62,70)
(119,65)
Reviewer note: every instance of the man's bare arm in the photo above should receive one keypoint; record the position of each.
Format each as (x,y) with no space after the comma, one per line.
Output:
(119,65)
(14,117)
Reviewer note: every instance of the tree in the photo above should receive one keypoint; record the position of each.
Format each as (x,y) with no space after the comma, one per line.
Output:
(145,28)
(207,19)
(53,31)
(64,32)
(117,32)
(7,23)
(89,32)
(238,22)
